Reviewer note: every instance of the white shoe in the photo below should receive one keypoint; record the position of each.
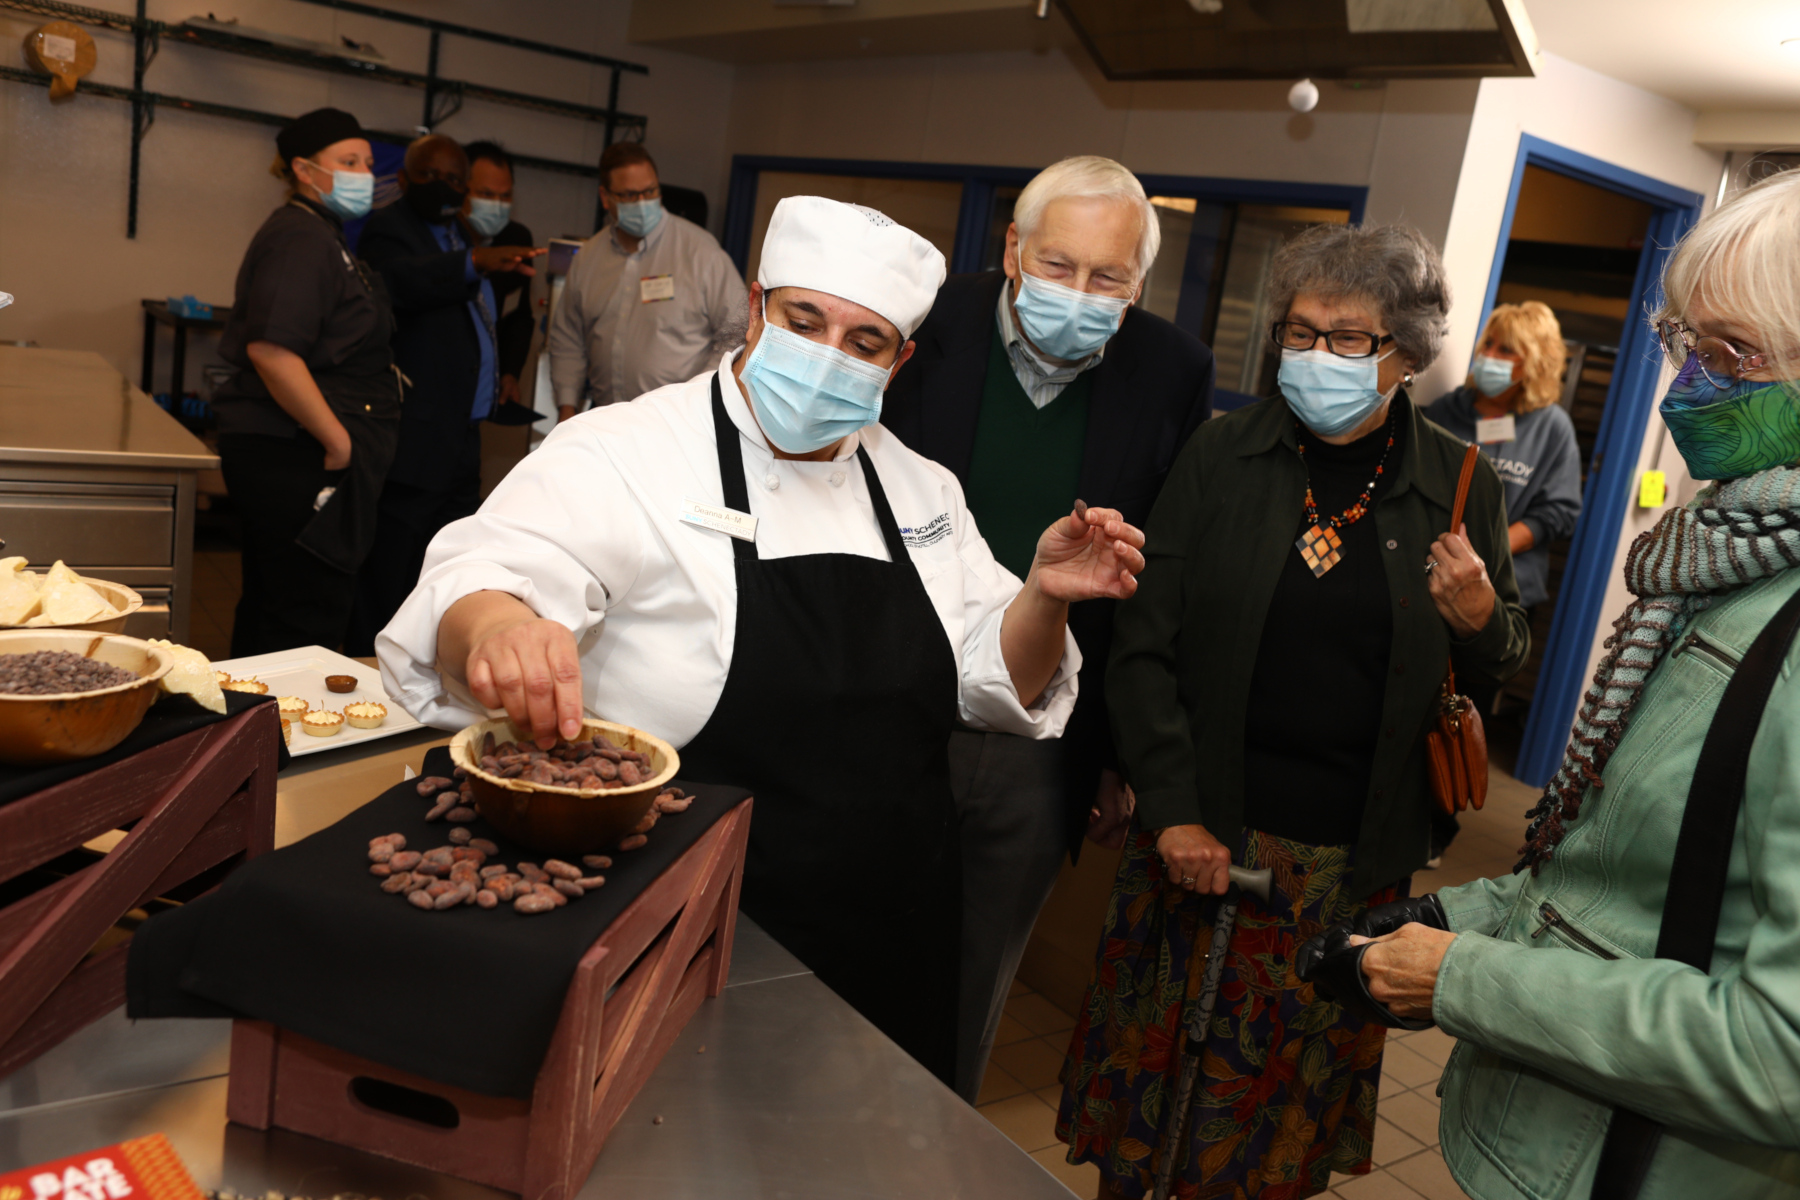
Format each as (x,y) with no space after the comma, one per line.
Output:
(1432,864)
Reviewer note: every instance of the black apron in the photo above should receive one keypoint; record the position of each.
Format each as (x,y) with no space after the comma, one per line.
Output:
(836,714)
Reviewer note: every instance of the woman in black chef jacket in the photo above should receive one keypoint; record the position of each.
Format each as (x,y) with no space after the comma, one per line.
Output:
(308,424)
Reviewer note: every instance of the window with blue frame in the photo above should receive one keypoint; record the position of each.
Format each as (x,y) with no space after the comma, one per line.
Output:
(1210,278)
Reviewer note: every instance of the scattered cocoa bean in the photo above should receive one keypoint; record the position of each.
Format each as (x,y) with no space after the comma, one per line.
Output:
(633,842)
(647,821)
(486,898)
(629,774)
(380,870)
(533,872)
(420,899)
(461,773)
(431,867)
(544,889)
(468,854)
(460,815)
(487,743)
(490,871)
(450,794)
(419,882)
(394,884)
(486,847)
(460,837)
(432,783)
(501,886)
(441,808)
(561,870)
(569,888)
(440,854)
(598,862)
(380,852)
(591,882)
(441,887)
(406,860)
(449,899)
(531,902)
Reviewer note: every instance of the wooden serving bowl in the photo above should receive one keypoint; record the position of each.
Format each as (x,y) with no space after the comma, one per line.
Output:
(563,821)
(118,595)
(35,730)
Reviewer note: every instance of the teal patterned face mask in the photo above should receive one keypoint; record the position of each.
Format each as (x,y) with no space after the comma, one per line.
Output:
(1731,432)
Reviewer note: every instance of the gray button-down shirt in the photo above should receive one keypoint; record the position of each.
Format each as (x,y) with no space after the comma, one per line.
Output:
(1043,379)
(615,335)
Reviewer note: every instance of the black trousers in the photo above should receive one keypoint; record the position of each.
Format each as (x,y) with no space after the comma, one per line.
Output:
(290,597)
(409,517)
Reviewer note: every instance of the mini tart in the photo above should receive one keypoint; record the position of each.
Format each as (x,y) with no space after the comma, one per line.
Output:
(287,732)
(292,707)
(340,683)
(365,714)
(322,722)
(254,686)
(222,677)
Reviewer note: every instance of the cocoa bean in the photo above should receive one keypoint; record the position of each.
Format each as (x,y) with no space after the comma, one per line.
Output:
(468,854)
(381,870)
(569,888)
(440,888)
(512,771)
(591,882)
(448,900)
(486,899)
(501,886)
(418,882)
(396,883)
(380,852)
(460,815)
(432,783)
(487,744)
(489,763)
(647,821)
(629,774)
(491,871)
(544,889)
(486,847)
(533,872)
(610,753)
(461,773)
(633,842)
(460,837)
(672,805)
(419,899)
(406,860)
(561,870)
(606,770)
(596,861)
(531,902)
(440,809)
(431,868)
(451,794)
(443,854)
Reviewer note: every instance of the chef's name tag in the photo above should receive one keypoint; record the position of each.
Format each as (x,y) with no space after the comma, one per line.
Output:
(725,520)
(1495,429)
(652,288)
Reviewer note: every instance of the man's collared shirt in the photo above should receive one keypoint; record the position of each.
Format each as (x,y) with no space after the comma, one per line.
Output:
(482,311)
(1042,379)
(633,321)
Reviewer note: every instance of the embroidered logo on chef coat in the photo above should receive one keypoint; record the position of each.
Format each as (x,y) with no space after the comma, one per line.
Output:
(929,534)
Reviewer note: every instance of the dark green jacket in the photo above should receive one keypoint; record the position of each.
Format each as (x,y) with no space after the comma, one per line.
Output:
(1185,646)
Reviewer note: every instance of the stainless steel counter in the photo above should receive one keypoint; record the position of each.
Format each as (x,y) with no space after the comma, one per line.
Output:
(796,1096)
(94,473)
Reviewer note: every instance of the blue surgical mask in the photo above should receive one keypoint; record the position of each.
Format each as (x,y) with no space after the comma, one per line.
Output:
(639,217)
(806,395)
(1491,375)
(1331,394)
(1063,322)
(352,194)
(489,217)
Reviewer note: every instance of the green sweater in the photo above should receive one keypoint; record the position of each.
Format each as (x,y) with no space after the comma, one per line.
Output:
(1026,464)
(1184,647)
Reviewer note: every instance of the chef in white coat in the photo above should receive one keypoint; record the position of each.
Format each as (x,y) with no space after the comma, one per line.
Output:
(748,565)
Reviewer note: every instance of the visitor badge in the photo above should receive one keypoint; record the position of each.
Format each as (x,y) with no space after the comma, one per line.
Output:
(716,516)
(1653,490)
(1495,429)
(652,288)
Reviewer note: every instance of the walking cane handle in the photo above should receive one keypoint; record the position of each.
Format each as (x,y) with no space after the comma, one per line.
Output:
(1254,882)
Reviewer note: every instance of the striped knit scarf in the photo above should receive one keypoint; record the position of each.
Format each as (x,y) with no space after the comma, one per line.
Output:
(1730,535)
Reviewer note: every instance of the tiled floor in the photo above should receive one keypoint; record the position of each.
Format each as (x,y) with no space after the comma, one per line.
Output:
(1020,1092)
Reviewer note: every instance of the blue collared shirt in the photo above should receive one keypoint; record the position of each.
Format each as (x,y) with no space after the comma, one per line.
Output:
(481,311)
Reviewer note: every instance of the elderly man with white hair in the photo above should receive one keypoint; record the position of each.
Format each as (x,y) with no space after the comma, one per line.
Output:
(747,565)
(1040,384)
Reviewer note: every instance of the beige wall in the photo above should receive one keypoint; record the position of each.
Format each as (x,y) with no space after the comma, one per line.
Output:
(205,186)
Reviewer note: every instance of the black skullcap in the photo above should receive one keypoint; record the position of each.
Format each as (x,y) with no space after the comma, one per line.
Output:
(305,136)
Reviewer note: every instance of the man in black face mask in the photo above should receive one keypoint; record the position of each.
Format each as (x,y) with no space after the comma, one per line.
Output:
(445,341)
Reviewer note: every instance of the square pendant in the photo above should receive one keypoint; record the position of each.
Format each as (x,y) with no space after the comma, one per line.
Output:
(1320,548)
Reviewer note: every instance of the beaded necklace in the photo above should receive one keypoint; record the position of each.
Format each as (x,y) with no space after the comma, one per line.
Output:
(1320,546)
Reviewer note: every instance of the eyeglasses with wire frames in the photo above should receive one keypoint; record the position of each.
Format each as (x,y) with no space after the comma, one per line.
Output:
(1345,343)
(1721,362)
(649,193)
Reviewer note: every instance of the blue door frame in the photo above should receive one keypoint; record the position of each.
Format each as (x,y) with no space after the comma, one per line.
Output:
(1613,468)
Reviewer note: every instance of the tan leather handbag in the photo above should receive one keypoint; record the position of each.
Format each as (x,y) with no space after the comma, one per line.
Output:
(1456,746)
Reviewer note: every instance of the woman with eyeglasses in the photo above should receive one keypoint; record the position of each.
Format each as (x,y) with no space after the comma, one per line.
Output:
(1271,684)
(1595,1059)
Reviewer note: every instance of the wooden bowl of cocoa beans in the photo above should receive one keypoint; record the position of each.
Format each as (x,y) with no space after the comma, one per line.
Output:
(67,695)
(583,797)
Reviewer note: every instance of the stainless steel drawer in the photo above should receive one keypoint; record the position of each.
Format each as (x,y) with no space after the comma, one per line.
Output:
(95,524)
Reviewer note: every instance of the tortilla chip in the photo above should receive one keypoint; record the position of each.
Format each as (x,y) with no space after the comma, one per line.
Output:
(191,675)
(67,600)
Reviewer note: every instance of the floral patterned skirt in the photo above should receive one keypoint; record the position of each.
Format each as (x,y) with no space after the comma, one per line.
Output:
(1286,1090)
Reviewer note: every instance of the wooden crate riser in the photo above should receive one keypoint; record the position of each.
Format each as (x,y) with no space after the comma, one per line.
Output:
(667,952)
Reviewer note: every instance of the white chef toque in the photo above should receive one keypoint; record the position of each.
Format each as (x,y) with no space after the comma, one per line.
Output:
(854,252)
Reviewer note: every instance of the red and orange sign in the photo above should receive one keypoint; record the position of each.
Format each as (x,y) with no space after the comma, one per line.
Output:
(142,1169)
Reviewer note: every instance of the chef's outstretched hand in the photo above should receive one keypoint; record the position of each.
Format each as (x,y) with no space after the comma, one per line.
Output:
(1089,554)
(530,668)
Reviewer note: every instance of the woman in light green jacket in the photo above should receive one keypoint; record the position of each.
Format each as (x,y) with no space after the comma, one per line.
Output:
(1550,977)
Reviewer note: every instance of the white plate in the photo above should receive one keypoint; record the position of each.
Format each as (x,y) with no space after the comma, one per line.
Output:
(301,672)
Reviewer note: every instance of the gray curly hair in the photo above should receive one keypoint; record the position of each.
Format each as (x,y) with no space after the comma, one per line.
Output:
(1393,267)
